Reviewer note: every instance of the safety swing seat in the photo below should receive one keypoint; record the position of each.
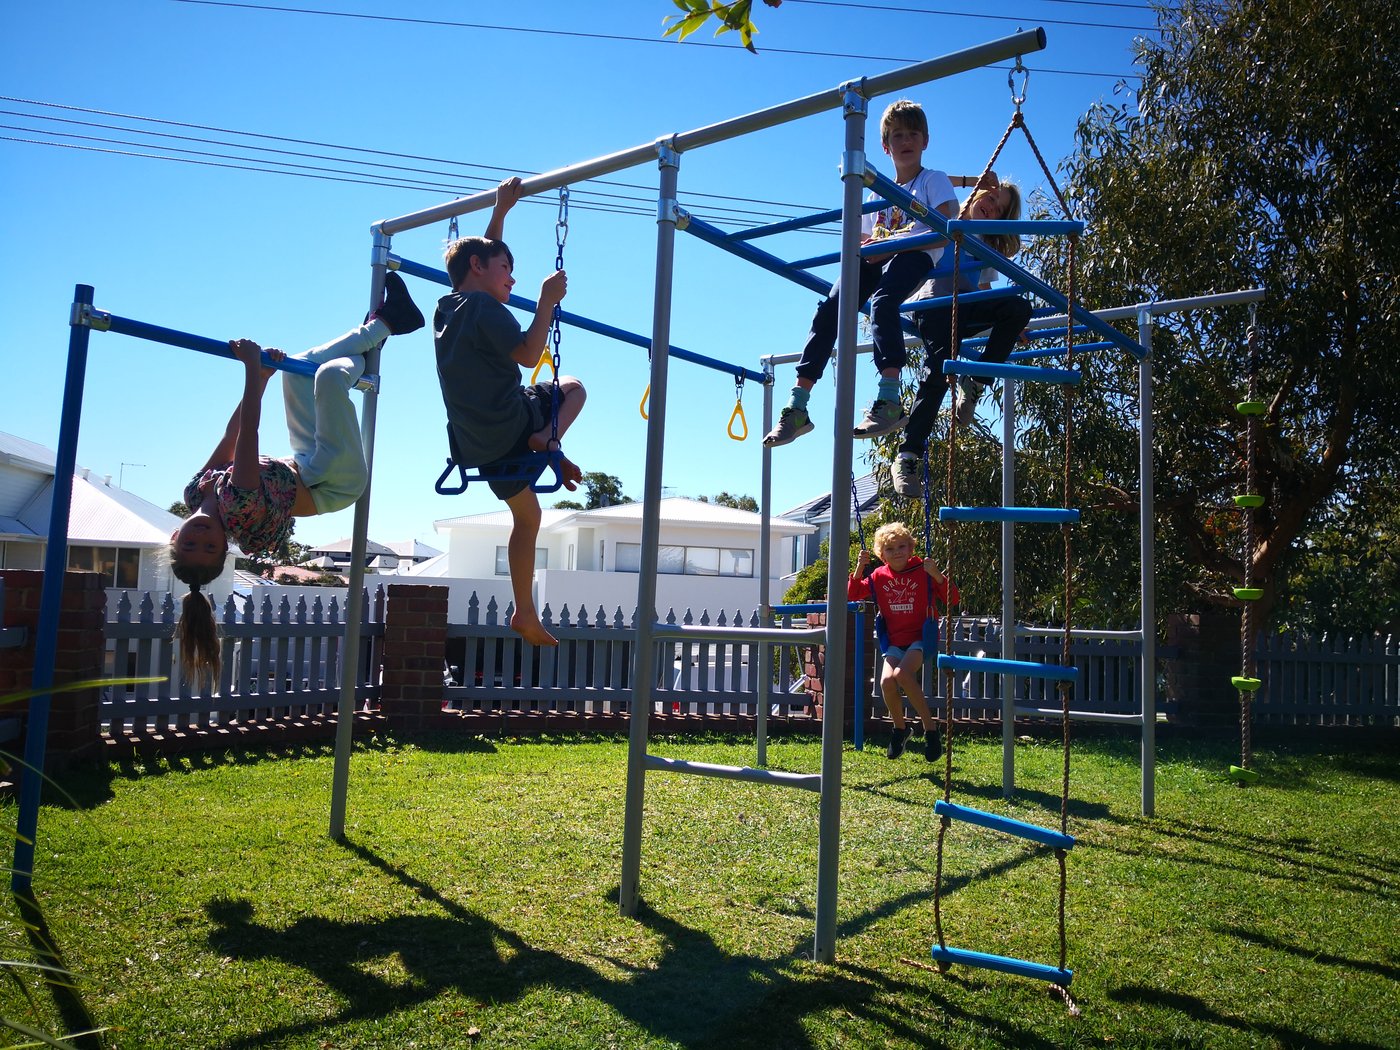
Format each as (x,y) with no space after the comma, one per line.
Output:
(531,468)
(930,636)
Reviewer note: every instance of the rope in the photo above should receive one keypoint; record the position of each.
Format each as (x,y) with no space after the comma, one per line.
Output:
(1065,655)
(1246,619)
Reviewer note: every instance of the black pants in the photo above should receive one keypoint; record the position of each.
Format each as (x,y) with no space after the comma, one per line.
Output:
(1006,318)
(886,287)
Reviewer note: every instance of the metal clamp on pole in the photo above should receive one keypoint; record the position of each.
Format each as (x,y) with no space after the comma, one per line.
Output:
(83,315)
(669,211)
(368,383)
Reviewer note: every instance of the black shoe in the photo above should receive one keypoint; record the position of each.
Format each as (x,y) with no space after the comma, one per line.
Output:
(398,311)
(933,745)
(899,740)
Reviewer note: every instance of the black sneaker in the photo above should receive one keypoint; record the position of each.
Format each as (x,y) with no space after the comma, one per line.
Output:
(397,310)
(899,740)
(933,745)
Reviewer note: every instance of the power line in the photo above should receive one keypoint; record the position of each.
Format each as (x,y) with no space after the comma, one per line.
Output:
(981,15)
(576,34)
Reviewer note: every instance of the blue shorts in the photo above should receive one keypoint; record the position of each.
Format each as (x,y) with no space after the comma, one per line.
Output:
(539,402)
(895,655)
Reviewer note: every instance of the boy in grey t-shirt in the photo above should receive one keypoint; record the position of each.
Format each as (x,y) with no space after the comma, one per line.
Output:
(480,350)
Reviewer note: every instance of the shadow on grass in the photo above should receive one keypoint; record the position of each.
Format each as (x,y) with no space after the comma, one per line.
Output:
(1203,1013)
(58,980)
(694,994)
(1309,954)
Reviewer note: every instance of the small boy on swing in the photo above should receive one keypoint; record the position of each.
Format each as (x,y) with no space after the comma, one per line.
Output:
(908,591)
(494,418)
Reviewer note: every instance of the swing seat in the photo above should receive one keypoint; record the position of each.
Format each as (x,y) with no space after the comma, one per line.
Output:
(1008,825)
(1003,964)
(930,635)
(529,468)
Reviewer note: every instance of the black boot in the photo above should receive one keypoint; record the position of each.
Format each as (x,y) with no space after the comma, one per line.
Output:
(398,311)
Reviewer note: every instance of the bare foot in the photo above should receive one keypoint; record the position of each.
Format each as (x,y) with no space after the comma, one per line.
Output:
(530,628)
(571,474)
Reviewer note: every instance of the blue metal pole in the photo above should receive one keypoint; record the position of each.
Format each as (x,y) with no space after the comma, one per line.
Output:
(51,600)
(714,235)
(172,337)
(586,324)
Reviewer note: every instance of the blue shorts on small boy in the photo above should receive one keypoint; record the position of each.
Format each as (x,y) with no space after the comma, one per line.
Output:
(895,655)
(539,401)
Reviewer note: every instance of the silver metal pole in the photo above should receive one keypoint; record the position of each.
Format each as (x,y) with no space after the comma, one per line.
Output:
(1019,43)
(765,563)
(1147,527)
(1008,589)
(644,655)
(838,560)
(1155,308)
(354,606)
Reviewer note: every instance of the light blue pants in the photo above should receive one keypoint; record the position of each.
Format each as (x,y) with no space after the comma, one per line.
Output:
(321,421)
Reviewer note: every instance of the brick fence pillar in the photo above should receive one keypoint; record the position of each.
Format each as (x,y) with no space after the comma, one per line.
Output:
(814,666)
(415,651)
(78,656)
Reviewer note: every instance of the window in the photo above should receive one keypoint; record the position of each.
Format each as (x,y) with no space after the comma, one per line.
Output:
(673,560)
(119,566)
(503,559)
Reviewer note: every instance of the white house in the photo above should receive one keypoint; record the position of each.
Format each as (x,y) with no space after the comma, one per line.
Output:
(590,558)
(817,512)
(110,530)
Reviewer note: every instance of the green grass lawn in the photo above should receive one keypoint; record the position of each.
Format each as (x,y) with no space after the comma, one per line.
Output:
(201,904)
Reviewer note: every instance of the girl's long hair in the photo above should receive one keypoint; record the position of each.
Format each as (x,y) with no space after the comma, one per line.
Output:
(1008,244)
(196,631)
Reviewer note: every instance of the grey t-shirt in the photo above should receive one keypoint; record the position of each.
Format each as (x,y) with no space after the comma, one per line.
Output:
(474,336)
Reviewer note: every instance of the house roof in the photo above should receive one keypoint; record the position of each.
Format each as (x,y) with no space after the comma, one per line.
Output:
(344,547)
(413,549)
(674,510)
(99,513)
(867,498)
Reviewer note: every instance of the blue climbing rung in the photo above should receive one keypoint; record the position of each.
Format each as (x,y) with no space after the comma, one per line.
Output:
(1057,351)
(1004,964)
(1053,515)
(1021,373)
(982,227)
(1023,668)
(1019,828)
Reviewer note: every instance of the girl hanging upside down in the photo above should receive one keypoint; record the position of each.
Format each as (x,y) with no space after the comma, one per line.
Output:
(253,498)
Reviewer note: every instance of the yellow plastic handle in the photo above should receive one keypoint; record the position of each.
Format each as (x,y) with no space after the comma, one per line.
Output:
(738,414)
(546,358)
(642,407)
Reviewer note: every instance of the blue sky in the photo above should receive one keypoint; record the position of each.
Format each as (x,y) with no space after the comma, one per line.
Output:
(453,95)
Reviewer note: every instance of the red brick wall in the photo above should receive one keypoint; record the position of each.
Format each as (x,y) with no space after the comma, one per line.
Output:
(73,716)
(415,650)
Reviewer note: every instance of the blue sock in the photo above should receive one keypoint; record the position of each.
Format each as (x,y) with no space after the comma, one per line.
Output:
(798,398)
(888,389)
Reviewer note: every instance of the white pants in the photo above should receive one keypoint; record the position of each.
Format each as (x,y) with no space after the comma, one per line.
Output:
(321,421)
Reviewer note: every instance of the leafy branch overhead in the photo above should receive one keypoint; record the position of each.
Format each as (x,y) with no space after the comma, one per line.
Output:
(734,16)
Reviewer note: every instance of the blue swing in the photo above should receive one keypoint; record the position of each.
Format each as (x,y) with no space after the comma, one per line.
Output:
(529,467)
(930,635)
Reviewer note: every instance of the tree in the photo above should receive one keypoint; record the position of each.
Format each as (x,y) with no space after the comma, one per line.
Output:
(724,499)
(1260,151)
(734,15)
(603,490)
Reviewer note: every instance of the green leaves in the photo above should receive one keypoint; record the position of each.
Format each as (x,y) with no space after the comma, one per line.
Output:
(731,16)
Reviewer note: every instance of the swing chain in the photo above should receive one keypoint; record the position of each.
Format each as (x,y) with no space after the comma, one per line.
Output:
(561,234)
(1018,97)
(452,230)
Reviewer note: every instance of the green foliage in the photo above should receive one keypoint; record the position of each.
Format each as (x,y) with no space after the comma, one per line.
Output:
(724,499)
(734,16)
(179,509)
(604,490)
(1252,157)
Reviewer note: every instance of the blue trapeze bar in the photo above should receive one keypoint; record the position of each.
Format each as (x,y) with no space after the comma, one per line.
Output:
(1047,227)
(1050,515)
(1021,668)
(990,257)
(1019,828)
(1028,373)
(171,337)
(1058,351)
(429,273)
(1004,964)
(920,305)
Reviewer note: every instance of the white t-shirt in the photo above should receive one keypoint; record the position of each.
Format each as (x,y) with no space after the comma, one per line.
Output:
(930,188)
